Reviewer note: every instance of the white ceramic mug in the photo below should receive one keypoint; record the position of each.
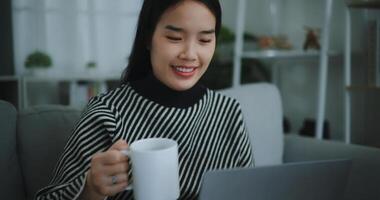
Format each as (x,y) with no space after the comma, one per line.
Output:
(154,168)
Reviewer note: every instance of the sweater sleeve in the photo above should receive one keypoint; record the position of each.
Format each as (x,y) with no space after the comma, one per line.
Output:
(246,157)
(92,134)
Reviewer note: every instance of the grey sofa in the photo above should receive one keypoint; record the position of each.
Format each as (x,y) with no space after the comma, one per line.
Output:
(32,140)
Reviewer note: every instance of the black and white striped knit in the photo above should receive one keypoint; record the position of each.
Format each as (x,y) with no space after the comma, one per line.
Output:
(208,127)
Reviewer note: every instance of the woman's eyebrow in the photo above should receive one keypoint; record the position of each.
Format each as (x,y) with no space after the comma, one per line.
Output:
(173,28)
(211,31)
(177,29)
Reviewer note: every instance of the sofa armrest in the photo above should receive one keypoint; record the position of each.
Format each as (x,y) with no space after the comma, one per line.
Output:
(11,183)
(364,179)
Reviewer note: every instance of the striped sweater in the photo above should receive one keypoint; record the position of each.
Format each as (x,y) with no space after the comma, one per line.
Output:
(211,134)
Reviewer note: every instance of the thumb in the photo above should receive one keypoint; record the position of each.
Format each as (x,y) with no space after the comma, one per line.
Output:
(119,145)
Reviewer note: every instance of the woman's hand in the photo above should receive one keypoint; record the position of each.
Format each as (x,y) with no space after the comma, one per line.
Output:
(108,174)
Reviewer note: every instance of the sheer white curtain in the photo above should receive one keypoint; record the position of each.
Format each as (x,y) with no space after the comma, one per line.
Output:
(75,32)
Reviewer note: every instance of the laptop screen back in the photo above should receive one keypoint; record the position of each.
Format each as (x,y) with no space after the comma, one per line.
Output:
(319,180)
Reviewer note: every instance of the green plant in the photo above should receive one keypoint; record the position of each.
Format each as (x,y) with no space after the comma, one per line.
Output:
(226,35)
(219,74)
(38,59)
(91,64)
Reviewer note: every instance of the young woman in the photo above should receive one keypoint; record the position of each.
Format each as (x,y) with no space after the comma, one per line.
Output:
(160,97)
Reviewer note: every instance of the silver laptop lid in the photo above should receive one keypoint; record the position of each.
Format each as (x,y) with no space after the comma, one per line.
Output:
(316,180)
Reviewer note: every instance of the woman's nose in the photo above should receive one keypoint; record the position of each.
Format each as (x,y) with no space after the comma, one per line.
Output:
(188,52)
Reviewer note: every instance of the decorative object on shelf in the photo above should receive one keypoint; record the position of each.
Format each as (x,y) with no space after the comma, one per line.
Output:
(37,63)
(312,39)
(266,42)
(226,35)
(287,126)
(224,49)
(308,128)
(38,59)
(91,68)
(81,91)
(375,4)
(91,65)
(280,42)
(218,75)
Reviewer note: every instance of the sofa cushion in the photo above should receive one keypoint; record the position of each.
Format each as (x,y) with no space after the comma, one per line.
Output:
(11,185)
(42,133)
(262,110)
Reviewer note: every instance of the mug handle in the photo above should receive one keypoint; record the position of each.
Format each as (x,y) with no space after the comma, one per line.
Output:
(127,152)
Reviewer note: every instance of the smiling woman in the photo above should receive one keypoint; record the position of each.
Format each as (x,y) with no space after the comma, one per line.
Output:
(160,97)
(189,42)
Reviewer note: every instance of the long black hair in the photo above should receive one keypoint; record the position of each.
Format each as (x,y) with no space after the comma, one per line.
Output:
(139,61)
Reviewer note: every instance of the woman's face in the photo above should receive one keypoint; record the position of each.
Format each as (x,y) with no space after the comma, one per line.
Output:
(183,44)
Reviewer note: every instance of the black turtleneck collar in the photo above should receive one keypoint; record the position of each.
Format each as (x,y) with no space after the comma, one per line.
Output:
(153,89)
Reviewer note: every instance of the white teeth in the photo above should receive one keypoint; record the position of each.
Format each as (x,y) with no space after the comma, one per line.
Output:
(184,69)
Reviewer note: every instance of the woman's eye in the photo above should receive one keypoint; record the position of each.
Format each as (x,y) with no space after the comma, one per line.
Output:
(173,38)
(205,41)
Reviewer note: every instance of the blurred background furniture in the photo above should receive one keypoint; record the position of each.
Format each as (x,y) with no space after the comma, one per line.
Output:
(33,139)
(262,109)
(74,90)
(323,53)
(79,34)
(373,54)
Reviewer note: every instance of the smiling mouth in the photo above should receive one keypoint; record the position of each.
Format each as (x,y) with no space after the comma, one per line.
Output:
(184,69)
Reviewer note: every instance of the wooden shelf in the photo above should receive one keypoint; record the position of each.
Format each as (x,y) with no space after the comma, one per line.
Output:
(71,78)
(363,88)
(16,89)
(370,4)
(276,54)
(9,78)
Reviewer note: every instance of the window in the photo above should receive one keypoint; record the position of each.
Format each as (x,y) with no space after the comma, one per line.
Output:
(75,32)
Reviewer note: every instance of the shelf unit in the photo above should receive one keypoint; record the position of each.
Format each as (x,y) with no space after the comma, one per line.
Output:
(354,4)
(323,55)
(280,54)
(16,89)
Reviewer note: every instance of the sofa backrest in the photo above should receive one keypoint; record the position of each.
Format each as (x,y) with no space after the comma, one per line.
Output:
(262,110)
(42,134)
(11,185)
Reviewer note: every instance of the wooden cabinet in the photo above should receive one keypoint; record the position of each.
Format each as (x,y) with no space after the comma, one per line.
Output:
(373,85)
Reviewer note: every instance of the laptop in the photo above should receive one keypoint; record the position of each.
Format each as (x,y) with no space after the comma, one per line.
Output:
(316,180)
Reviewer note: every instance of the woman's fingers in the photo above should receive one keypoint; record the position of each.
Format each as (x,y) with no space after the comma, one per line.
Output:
(116,168)
(119,145)
(109,185)
(117,179)
(109,170)
(114,189)
(112,157)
